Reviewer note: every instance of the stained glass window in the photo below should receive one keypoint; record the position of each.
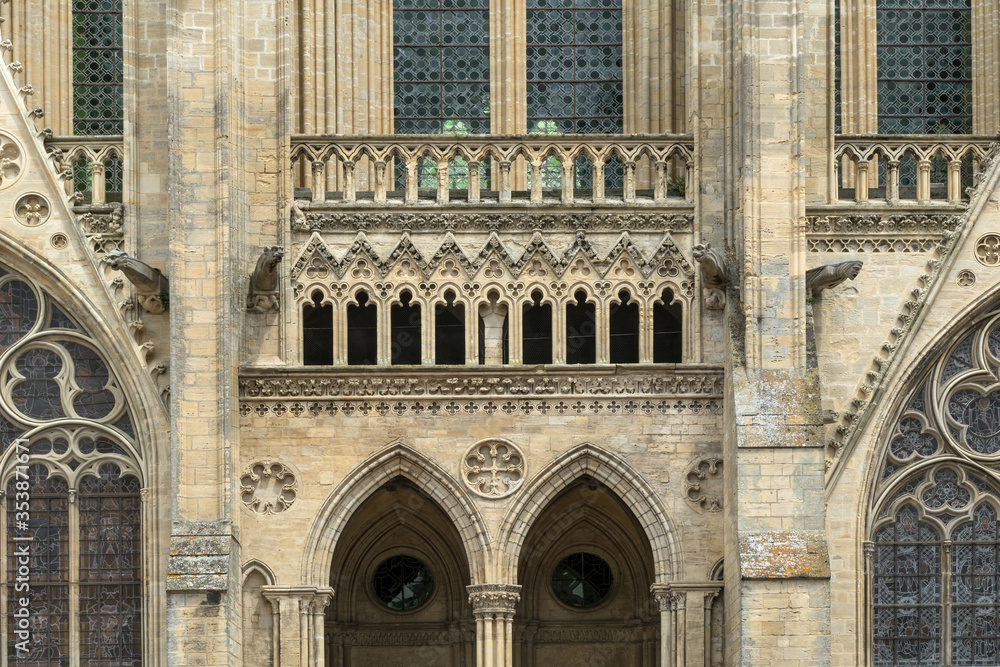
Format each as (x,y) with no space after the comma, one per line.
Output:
(924,66)
(18,312)
(97,68)
(906,588)
(46,534)
(975,584)
(110,569)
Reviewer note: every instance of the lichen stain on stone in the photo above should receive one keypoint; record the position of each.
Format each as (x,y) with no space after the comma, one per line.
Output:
(784,554)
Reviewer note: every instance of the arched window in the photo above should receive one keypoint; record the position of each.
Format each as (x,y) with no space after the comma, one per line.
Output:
(317,332)
(362,331)
(449,331)
(933,555)
(70,472)
(667,323)
(623,330)
(405,331)
(581,331)
(536,331)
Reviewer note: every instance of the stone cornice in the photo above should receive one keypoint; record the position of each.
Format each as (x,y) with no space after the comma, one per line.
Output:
(605,390)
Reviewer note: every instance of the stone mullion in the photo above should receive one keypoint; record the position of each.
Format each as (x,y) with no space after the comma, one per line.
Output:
(559,331)
(602,324)
(384,331)
(428,332)
(515,333)
(985,66)
(73,577)
(508,79)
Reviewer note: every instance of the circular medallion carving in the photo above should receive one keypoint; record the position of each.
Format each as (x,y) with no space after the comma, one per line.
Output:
(32,210)
(988,250)
(59,241)
(268,487)
(11,160)
(493,468)
(966,278)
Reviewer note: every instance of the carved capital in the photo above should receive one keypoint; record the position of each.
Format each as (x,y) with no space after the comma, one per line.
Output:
(493,598)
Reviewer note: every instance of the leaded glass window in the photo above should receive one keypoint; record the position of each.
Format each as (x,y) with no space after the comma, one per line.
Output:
(441,76)
(582,580)
(402,583)
(574,57)
(924,66)
(97,68)
(934,557)
(64,409)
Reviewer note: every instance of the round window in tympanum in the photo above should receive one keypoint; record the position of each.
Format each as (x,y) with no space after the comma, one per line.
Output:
(402,583)
(582,580)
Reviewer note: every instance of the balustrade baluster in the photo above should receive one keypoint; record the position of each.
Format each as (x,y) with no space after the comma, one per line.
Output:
(861,182)
(892,181)
(923,181)
(536,182)
(442,180)
(97,182)
(566,163)
(474,187)
(598,182)
(318,183)
(954,181)
(350,195)
(660,183)
(629,183)
(505,181)
(412,183)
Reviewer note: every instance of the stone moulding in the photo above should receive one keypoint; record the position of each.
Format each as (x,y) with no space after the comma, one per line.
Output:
(477,389)
(879,232)
(315,259)
(322,218)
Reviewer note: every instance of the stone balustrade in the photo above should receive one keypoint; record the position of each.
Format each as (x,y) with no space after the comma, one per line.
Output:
(91,166)
(916,169)
(491,169)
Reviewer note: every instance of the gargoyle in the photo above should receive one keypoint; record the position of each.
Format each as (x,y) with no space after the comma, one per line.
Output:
(151,286)
(824,277)
(263,295)
(713,274)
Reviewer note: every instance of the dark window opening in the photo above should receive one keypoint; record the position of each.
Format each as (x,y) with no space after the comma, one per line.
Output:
(624,330)
(362,332)
(317,332)
(536,331)
(405,322)
(581,331)
(667,330)
(449,331)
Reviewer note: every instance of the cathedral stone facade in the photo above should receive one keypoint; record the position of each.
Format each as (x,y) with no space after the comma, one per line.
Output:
(503,334)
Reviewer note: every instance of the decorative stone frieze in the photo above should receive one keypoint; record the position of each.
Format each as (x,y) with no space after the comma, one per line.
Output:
(703,488)
(879,233)
(308,217)
(102,226)
(362,260)
(493,468)
(268,487)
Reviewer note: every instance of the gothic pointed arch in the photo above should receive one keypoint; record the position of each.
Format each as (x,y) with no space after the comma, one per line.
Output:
(932,533)
(616,474)
(394,460)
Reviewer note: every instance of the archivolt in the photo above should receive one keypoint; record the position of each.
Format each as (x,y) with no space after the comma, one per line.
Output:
(394,460)
(612,471)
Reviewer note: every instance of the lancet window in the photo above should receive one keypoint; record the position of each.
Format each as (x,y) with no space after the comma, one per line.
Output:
(933,555)
(70,476)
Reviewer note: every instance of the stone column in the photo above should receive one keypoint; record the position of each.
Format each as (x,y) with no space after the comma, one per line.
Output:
(985,66)
(858,78)
(664,598)
(298,618)
(493,607)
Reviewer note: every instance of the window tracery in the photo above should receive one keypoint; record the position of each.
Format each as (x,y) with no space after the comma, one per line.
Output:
(63,407)
(934,555)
